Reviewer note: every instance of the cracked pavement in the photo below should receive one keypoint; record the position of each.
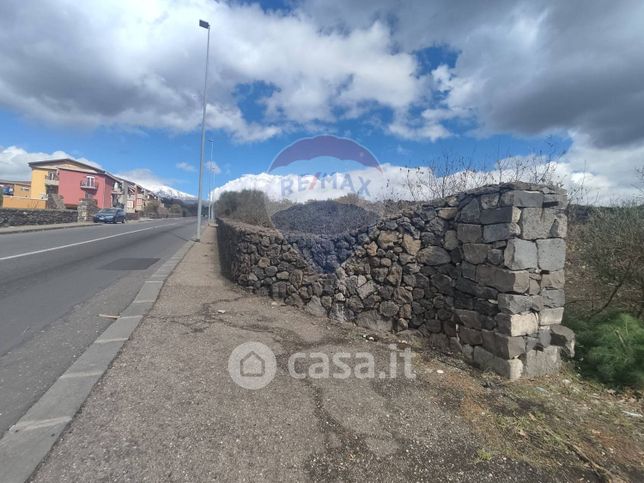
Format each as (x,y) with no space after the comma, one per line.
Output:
(168,410)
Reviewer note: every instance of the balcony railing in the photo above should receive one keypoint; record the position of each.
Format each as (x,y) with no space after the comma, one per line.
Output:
(51,179)
(89,184)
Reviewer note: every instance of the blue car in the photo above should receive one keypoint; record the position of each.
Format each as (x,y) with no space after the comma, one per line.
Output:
(110,215)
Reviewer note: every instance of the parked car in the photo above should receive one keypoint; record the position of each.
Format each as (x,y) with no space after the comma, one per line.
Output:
(110,215)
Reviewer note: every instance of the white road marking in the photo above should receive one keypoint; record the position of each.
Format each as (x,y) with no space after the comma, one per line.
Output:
(153,281)
(36,252)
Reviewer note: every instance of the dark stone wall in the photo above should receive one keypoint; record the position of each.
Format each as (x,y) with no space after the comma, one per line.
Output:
(480,273)
(15,217)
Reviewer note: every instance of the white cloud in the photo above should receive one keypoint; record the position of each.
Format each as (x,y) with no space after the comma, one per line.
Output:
(525,67)
(212,167)
(606,176)
(71,75)
(14,161)
(183,166)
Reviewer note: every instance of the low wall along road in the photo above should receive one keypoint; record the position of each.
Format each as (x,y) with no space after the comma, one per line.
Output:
(14,217)
(480,273)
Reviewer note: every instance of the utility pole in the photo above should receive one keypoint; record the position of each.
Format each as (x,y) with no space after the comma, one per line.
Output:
(206,25)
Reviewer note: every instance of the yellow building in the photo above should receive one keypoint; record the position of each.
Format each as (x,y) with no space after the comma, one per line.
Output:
(16,194)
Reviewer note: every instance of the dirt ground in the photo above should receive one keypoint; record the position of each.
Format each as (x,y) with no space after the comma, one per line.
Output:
(168,410)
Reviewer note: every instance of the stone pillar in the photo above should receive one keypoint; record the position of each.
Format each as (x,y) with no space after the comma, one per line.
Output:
(512,239)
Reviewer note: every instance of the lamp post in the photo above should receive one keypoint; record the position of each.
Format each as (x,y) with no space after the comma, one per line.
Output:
(206,25)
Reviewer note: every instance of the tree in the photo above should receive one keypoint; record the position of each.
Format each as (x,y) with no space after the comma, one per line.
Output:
(151,208)
(176,209)
(612,248)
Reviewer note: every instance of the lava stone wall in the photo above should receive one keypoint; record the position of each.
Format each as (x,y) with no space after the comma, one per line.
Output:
(480,273)
(15,217)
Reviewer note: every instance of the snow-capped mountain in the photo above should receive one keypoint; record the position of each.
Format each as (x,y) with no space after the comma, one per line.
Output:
(164,191)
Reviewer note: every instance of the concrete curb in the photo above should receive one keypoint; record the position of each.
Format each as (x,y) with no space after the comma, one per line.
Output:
(32,228)
(27,443)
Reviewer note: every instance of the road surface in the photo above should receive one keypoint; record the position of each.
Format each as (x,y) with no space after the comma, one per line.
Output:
(53,287)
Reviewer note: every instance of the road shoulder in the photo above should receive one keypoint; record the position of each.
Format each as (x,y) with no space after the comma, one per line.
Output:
(27,442)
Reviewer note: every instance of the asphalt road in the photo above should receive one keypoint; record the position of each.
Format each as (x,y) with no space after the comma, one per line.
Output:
(54,285)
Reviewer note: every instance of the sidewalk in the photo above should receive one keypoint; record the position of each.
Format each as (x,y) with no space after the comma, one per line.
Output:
(168,410)
(5,230)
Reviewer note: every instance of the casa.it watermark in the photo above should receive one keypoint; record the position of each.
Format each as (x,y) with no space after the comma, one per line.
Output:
(253,365)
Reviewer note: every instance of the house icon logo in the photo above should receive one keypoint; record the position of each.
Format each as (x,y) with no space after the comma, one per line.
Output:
(252,365)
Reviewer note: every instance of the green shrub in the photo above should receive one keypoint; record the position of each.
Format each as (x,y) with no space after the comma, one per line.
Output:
(1,197)
(248,206)
(610,348)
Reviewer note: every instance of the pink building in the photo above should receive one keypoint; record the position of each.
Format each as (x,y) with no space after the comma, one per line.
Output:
(65,182)
(77,185)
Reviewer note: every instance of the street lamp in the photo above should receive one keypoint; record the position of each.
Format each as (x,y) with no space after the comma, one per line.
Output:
(206,25)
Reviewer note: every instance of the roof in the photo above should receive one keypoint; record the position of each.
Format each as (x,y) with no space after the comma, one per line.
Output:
(9,181)
(49,162)
(65,160)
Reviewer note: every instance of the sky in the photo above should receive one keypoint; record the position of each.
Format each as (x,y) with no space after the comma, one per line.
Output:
(120,84)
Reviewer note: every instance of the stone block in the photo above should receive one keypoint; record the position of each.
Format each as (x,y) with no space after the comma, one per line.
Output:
(439,341)
(489,201)
(481,357)
(500,231)
(504,214)
(410,244)
(508,347)
(536,222)
(451,240)
(553,297)
(470,212)
(503,280)
(314,307)
(510,369)
(559,200)
(433,256)
(372,249)
(386,239)
(469,318)
(520,254)
(447,213)
(515,304)
(554,279)
(537,363)
(551,253)
(389,308)
(470,336)
(373,320)
(468,233)
(475,253)
(367,289)
(564,337)
(551,316)
(495,256)
(559,226)
(517,324)
(522,199)
(468,270)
